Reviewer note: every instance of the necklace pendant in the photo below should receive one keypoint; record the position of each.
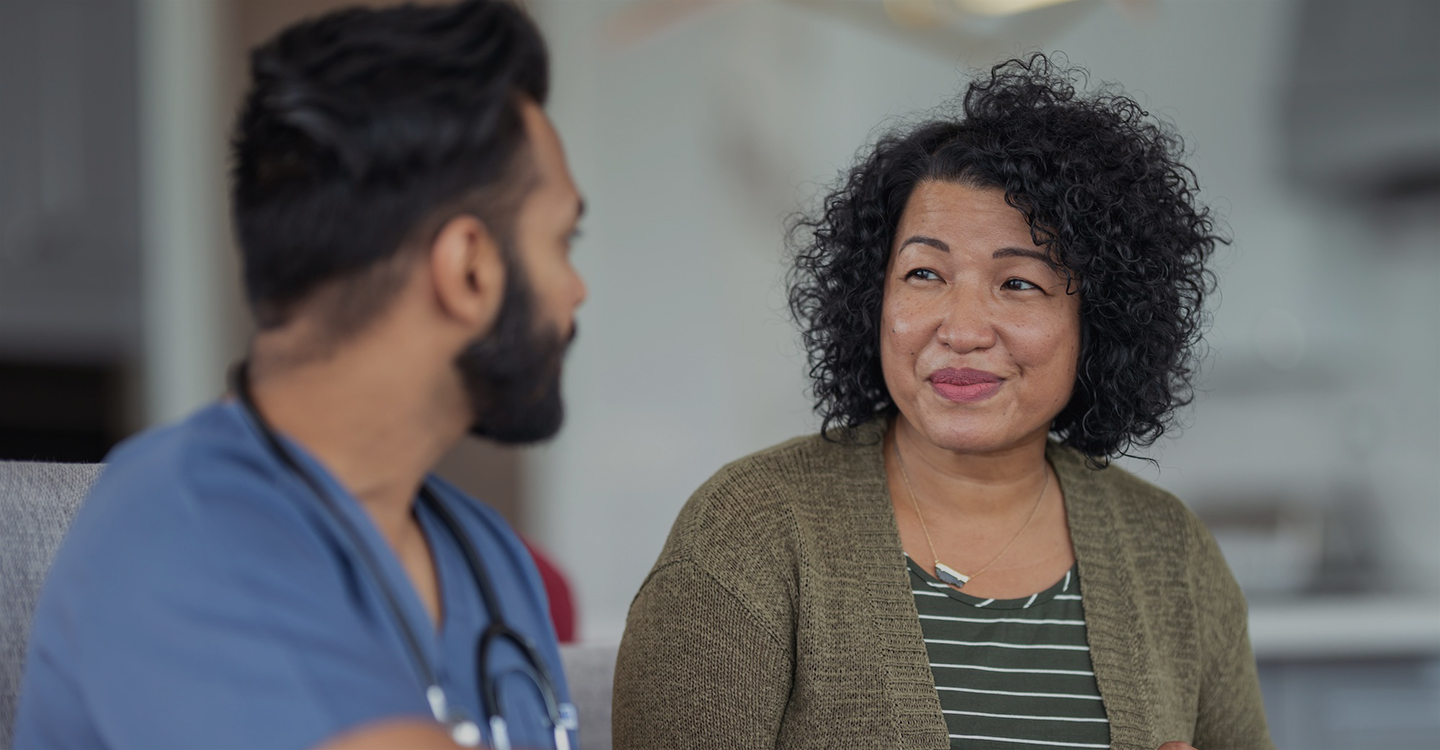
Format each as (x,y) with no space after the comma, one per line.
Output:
(950,575)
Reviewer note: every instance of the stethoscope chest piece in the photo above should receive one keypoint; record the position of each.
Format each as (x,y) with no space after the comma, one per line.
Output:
(466,734)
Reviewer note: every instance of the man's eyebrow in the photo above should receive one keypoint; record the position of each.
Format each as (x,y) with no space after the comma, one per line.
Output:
(1016,252)
(921,239)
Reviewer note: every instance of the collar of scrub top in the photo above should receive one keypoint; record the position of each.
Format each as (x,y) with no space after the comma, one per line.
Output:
(463,729)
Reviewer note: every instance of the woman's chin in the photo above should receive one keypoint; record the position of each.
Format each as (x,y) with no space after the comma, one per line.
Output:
(973,435)
(969,444)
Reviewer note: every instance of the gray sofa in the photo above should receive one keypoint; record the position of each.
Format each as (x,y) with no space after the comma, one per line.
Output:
(37,501)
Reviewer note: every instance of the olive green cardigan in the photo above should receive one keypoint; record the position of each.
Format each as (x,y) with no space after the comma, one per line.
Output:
(779,615)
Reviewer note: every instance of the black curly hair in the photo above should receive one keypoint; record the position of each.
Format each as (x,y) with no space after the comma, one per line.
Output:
(1103,189)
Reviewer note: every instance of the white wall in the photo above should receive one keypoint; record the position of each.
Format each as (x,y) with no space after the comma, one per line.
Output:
(187,282)
(691,145)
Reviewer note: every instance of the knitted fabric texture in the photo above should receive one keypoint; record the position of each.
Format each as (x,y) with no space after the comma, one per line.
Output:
(37,501)
(779,614)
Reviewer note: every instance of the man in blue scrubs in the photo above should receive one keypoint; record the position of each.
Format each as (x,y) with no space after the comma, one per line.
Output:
(280,570)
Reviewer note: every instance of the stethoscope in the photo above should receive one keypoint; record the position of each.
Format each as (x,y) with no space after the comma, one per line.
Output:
(463,729)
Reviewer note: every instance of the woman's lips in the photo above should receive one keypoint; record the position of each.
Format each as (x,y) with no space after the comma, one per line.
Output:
(966,385)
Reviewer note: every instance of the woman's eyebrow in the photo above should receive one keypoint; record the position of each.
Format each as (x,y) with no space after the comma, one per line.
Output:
(923,240)
(1016,252)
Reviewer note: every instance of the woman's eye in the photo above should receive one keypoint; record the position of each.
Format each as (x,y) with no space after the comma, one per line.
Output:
(1018,285)
(924,274)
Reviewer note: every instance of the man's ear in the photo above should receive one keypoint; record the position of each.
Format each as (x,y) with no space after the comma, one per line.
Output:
(468,271)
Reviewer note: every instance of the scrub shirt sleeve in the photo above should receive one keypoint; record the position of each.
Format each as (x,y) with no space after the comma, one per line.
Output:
(245,637)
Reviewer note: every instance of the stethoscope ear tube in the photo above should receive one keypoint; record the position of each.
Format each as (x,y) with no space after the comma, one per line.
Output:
(464,731)
(240,382)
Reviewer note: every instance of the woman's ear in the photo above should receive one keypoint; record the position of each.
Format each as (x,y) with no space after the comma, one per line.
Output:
(467,268)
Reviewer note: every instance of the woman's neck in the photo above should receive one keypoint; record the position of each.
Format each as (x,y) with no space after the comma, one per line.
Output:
(997,517)
(992,484)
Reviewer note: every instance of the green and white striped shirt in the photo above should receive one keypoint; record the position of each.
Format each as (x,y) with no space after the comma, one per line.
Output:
(1011,673)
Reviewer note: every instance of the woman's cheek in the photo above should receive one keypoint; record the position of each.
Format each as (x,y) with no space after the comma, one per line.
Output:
(900,347)
(1047,350)
(907,328)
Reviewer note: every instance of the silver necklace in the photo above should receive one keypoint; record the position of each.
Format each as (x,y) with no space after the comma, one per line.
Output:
(945,572)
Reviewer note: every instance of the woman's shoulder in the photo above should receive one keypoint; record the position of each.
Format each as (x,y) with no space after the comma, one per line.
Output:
(1129,504)
(754,501)
(798,466)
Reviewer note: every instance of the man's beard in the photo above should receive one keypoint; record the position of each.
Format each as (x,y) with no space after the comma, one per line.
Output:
(513,374)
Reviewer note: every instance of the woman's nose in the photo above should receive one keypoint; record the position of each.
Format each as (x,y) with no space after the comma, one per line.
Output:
(968,324)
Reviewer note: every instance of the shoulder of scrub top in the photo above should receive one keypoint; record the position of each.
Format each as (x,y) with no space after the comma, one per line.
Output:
(204,494)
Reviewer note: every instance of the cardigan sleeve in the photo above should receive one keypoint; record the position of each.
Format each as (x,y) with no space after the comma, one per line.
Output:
(697,668)
(1231,711)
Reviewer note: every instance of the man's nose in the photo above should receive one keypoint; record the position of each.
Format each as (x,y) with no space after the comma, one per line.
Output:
(581,290)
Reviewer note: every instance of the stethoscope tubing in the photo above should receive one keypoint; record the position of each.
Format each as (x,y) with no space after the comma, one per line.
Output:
(497,630)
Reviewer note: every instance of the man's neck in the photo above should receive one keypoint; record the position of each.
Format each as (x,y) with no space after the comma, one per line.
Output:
(368,414)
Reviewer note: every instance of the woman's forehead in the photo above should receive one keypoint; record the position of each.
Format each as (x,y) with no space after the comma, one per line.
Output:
(948,217)
(961,210)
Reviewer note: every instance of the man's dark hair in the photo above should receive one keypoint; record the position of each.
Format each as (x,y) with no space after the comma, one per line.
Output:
(363,130)
(1103,188)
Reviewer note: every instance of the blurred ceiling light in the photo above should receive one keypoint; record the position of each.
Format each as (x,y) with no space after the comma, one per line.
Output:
(913,14)
(1003,7)
(639,20)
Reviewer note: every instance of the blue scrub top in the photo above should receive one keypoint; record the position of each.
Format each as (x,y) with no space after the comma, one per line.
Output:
(205,598)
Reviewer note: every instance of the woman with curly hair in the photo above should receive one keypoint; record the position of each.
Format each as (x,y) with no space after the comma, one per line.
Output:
(994,305)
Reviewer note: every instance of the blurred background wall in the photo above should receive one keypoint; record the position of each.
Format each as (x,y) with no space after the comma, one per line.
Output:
(695,128)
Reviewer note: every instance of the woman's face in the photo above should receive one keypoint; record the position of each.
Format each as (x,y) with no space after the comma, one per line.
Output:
(979,339)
